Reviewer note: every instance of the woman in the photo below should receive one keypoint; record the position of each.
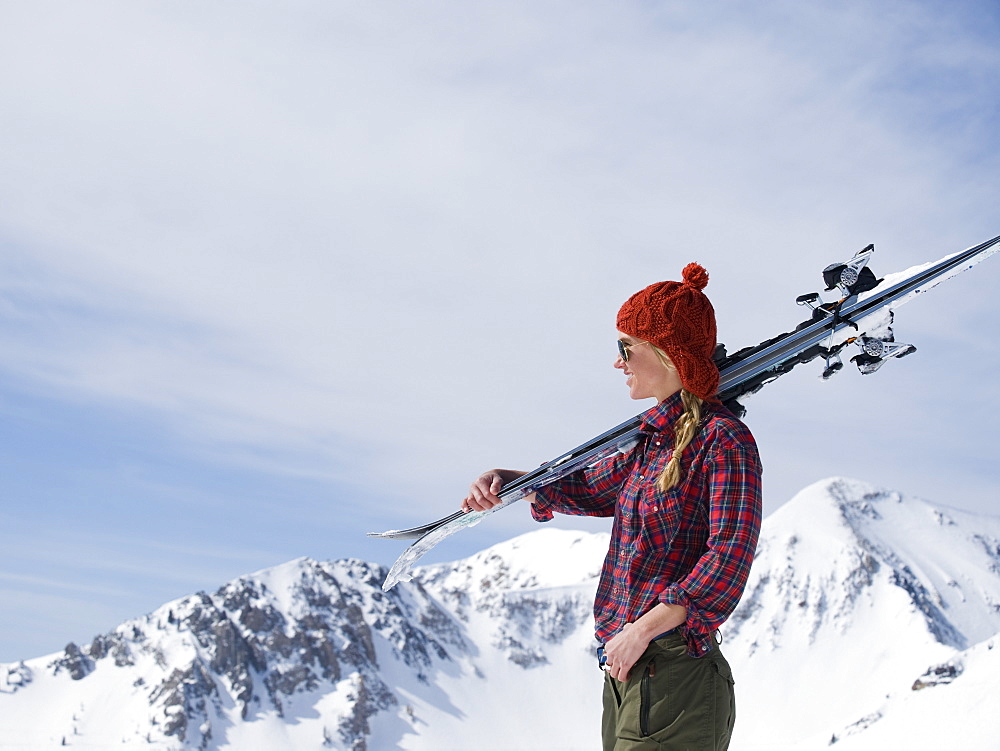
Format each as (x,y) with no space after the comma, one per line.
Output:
(687,506)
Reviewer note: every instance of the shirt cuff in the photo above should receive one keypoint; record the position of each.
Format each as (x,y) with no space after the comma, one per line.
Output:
(540,509)
(693,621)
(695,629)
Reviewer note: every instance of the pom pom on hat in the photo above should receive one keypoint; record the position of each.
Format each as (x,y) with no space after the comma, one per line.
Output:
(679,319)
(694,275)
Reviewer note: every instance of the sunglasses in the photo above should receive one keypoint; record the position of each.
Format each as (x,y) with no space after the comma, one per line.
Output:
(624,347)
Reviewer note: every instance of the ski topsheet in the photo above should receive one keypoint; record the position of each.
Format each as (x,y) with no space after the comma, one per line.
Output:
(862,317)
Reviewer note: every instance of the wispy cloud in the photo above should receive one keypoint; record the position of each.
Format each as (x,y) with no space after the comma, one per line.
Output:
(43,583)
(381,246)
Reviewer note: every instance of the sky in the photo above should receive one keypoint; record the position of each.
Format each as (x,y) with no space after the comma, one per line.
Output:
(276,275)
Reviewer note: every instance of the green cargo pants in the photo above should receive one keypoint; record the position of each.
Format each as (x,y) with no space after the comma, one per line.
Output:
(671,701)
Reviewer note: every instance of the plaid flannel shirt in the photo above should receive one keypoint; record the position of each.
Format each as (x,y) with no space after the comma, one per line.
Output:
(691,546)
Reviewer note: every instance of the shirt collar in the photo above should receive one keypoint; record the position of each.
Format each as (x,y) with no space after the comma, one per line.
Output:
(662,417)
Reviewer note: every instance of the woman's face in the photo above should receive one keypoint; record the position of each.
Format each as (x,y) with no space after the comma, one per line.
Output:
(646,375)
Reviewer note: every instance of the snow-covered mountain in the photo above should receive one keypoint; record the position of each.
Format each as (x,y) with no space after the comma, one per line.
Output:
(858,598)
(870,621)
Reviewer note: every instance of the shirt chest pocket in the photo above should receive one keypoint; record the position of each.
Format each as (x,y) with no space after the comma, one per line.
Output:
(659,517)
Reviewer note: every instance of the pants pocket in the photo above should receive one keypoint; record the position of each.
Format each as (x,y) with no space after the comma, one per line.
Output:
(725,701)
(674,701)
(633,709)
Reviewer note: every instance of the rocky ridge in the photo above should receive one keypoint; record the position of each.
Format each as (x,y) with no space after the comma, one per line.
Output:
(275,642)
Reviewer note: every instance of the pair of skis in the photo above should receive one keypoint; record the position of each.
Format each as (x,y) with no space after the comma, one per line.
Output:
(861,316)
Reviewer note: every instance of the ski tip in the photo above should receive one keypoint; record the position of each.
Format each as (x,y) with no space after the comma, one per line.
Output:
(395,578)
(394,534)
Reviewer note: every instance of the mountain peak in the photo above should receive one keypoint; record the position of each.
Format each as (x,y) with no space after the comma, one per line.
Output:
(840,540)
(853,581)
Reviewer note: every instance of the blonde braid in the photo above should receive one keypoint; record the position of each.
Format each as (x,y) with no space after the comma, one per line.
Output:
(684,430)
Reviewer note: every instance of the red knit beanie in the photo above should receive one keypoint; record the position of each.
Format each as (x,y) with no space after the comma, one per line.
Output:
(678,318)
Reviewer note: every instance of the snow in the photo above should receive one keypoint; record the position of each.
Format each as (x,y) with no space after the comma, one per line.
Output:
(959,714)
(869,618)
